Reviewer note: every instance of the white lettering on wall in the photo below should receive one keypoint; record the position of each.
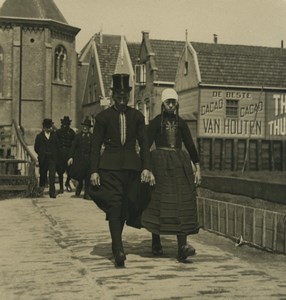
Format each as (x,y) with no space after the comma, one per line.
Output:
(251,109)
(232,127)
(211,107)
(277,127)
(280,104)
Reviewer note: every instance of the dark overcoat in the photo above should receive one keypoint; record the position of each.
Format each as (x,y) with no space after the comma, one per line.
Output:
(65,138)
(46,147)
(80,153)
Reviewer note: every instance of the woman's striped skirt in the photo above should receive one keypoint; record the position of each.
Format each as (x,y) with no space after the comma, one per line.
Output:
(173,206)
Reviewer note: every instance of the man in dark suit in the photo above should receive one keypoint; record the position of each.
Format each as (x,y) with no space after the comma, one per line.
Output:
(80,159)
(65,137)
(46,148)
(118,168)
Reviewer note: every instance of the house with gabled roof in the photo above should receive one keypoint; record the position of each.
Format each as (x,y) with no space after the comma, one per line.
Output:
(238,94)
(155,70)
(103,56)
(38,64)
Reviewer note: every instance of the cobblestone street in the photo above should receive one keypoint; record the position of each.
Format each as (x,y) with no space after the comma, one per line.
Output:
(60,249)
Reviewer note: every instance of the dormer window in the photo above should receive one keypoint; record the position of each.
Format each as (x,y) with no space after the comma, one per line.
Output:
(186,68)
(60,63)
(140,74)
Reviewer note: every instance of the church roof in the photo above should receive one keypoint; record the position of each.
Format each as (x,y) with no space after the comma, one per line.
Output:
(32,9)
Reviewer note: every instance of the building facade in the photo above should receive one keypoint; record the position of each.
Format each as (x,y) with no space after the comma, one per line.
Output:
(38,65)
(238,95)
(155,70)
(103,56)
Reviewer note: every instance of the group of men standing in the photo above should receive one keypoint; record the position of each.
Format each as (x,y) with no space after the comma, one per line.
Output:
(56,149)
(121,176)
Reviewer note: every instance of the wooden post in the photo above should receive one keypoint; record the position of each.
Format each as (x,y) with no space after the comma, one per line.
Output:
(272,160)
(283,158)
(212,154)
(235,155)
(259,155)
(246,159)
(223,154)
(254,226)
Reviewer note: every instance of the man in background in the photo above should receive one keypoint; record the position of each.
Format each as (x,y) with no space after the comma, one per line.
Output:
(47,149)
(65,136)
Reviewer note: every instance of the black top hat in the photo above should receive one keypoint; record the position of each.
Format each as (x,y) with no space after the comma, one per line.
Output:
(66,120)
(87,122)
(47,123)
(121,83)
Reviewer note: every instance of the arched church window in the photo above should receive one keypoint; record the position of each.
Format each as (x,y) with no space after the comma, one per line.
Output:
(1,70)
(60,63)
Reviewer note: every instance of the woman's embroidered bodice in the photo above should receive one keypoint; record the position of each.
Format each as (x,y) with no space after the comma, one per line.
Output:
(171,131)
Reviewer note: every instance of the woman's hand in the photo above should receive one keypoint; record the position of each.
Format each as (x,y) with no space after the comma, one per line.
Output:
(198,178)
(152,179)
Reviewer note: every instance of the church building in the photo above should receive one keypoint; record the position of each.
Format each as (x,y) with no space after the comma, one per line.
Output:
(38,65)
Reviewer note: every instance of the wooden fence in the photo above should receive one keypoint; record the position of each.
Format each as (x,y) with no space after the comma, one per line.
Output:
(238,154)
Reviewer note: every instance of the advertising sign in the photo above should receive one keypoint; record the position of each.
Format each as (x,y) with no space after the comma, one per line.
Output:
(234,114)
(276,116)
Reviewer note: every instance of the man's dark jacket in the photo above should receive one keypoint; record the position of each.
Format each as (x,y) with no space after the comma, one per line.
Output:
(116,156)
(80,153)
(46,147)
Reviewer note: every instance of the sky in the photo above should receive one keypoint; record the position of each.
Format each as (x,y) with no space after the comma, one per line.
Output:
(244,22)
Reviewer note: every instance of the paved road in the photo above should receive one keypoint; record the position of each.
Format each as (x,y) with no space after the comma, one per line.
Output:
(60,249)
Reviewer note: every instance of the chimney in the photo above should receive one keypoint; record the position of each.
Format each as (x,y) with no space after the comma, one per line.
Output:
(145,33)
(282,44)
(215,38)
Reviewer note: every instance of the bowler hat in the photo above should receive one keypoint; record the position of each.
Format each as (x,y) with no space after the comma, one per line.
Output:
(120,83)
(47,123)
(87,122)
(66,120)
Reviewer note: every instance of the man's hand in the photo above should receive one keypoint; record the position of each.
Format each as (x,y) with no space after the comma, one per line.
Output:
(95,179)
(145,176)
(70,162)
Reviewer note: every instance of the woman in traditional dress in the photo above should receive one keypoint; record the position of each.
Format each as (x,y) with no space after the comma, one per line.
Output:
(172,209)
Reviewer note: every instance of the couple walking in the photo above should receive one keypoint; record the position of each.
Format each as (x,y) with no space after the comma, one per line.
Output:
(119,174)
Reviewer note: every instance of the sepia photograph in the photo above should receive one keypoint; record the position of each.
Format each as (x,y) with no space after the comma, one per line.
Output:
(142,149)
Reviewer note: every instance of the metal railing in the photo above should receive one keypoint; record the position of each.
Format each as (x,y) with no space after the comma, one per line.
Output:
(247,225)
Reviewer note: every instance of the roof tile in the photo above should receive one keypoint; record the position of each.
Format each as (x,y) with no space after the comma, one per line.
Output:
(167,54)
(241,65)
(107,49)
